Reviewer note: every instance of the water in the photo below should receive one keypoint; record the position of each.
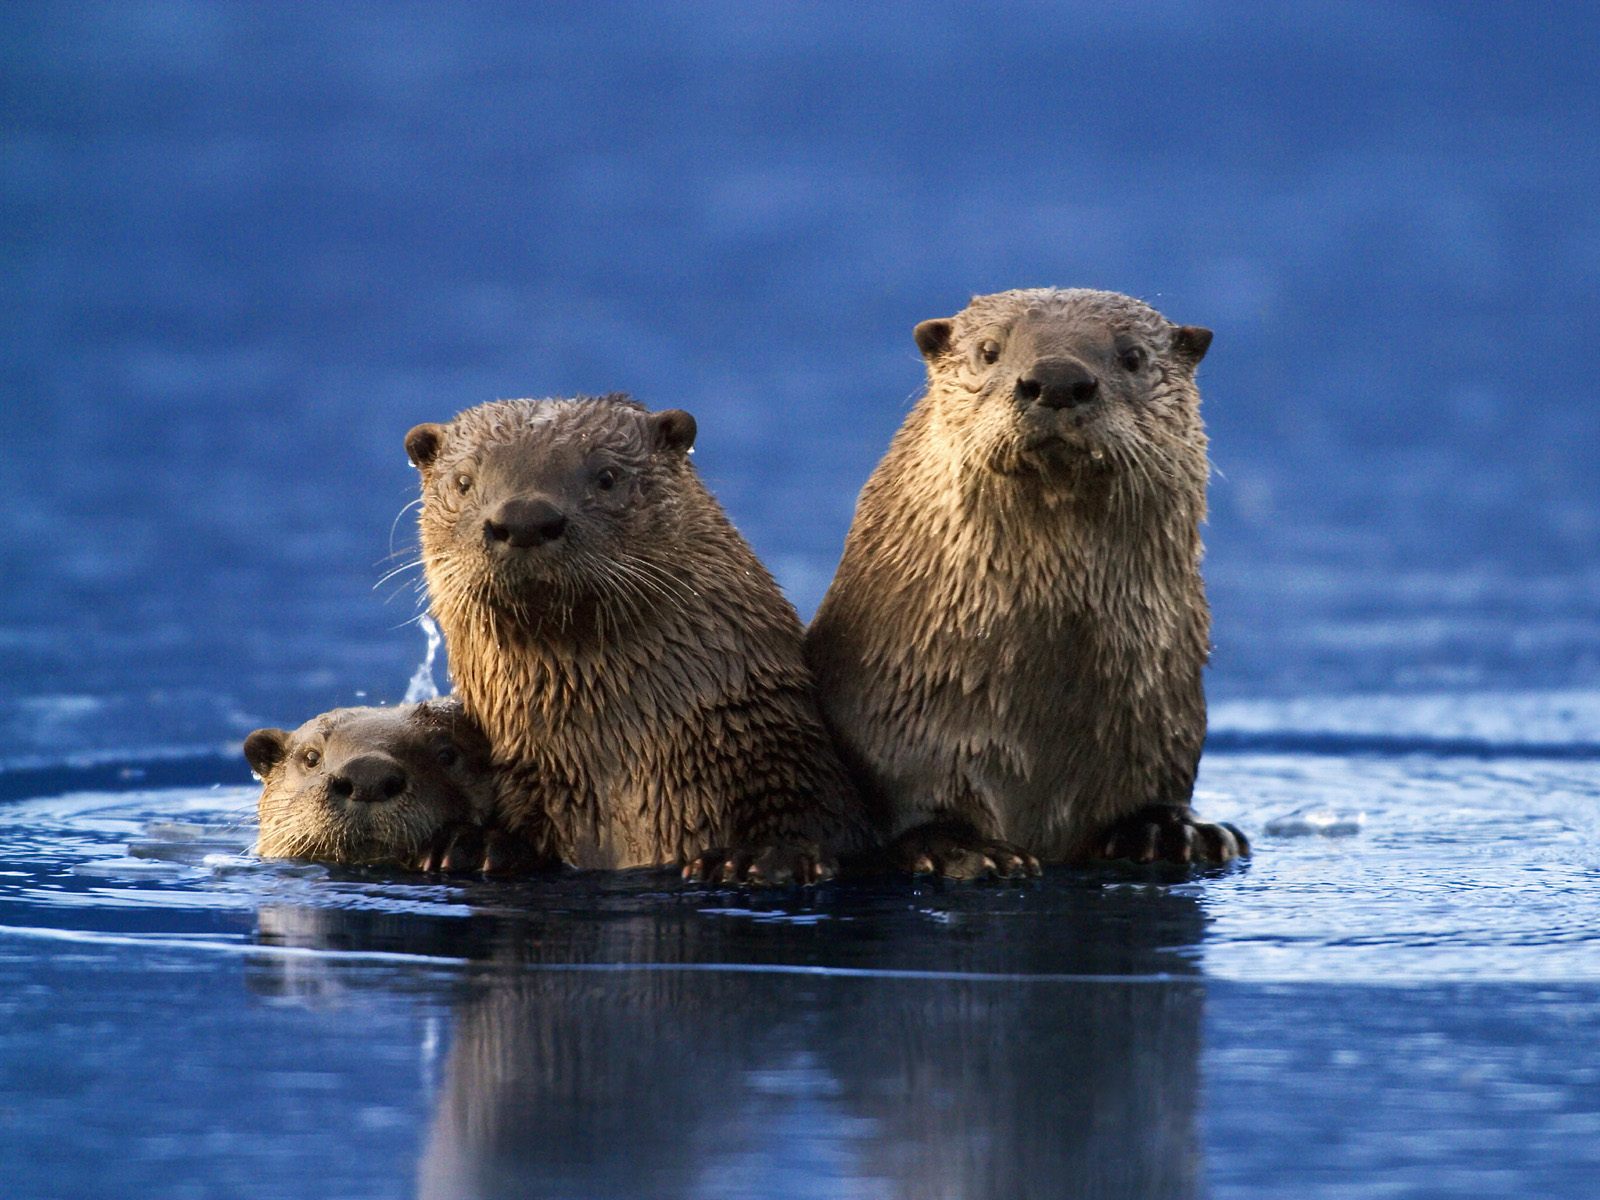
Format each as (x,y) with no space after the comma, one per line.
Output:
(245,249)
(1415,1002)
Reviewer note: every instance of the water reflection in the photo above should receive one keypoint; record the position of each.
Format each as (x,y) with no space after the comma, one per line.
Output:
(625,1040)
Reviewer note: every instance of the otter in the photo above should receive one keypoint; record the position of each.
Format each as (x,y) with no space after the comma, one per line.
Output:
(637,671)
(408,786)
(1010,654)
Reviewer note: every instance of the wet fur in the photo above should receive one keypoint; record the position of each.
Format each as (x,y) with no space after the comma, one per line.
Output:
(301,818)
(1017,630)
(644,689)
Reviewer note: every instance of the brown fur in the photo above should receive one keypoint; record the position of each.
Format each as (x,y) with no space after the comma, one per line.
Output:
(640,677)
(339,807)
(1015,637)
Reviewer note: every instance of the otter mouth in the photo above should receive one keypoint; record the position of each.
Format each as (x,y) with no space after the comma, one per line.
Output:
(517,584)
(391,835)
(522,574)
(318,827)
(1060,446)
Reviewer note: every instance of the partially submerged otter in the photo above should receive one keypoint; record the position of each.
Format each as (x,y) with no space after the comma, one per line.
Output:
(636,669)
(375,785)
(1011,652)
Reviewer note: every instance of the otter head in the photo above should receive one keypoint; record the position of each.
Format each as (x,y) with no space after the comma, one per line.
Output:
(1047,381)
(369,784)
(536,506)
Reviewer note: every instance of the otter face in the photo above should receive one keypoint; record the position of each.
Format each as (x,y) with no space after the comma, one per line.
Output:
(361,785)
(1040,379)
(529,503)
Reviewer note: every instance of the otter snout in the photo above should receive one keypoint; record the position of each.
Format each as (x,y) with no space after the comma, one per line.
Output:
(1057,383)
(524,524)
(370,778)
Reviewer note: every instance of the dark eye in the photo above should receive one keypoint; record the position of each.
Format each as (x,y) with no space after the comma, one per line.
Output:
(463,483)
(1131,358)
(448,756)
(606,480)
(989,351)
(311,757)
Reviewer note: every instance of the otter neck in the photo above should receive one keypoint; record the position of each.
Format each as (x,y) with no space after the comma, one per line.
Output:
(1085,488)
(523,675)
(1064,540)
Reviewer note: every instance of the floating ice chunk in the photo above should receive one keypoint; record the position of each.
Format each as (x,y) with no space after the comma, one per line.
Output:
(1317,822)
(225,865)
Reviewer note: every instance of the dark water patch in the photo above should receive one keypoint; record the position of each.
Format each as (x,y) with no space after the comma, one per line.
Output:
(1339,745)
(117,772)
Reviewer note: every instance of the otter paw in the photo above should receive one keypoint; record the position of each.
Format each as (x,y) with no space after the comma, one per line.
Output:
(456,848)
(959,853)
(763,865)
(1170,833)
(473,850)
(507,854)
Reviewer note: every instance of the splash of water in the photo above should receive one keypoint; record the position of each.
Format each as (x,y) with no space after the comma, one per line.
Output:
(422,686)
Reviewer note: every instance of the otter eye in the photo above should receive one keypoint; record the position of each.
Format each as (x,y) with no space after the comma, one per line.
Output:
(606,480)
(1131,358)
(989,352)
(463,483)
(448,756)
(311,756)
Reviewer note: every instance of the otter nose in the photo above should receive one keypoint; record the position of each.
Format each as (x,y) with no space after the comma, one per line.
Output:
(368,778)
(1058,383)
(525,523)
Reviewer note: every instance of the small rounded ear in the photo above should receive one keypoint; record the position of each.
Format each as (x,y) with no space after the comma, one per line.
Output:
(1190,343)
(673,429)
(933,337)
(265,748)
(423,444)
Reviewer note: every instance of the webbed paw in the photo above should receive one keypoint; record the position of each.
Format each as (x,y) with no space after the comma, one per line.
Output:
(956,851)
(771,864)
(463,848)
(1171,833)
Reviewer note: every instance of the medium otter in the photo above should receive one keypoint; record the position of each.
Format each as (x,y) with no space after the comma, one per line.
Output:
(406,785)
(1010,654)
(635,668)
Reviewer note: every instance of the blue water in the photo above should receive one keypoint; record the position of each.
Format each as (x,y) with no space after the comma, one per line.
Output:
(244,248)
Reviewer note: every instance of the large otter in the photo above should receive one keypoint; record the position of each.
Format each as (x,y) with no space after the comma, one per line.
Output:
(1011,651)
(406,785)
(636,669)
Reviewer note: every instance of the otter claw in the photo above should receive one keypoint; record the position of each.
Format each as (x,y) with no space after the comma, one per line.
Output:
(455,848)
(1170,833)
(762,866)
(463,849)
(507,854)
(959,853)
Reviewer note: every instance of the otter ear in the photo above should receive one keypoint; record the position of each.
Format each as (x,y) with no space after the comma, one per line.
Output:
(933,337)
(423,444)
(672,429)
(265,749)
(1190,343)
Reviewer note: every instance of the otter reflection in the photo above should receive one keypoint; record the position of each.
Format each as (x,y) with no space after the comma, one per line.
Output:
(974,1043)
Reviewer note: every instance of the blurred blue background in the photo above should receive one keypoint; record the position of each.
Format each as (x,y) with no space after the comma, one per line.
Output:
(247,246)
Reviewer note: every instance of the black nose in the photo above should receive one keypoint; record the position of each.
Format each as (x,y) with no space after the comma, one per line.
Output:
(1058,383)
(524,523)
(368,778)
